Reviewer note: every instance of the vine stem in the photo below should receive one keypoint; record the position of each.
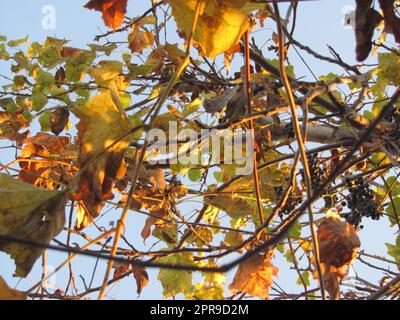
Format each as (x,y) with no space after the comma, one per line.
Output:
(300,142)
(157,108)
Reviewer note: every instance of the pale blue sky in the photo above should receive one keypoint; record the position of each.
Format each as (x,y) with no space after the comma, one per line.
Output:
(319,24)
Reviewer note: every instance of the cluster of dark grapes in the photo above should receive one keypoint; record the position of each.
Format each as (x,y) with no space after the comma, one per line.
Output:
(318,176)
(393,115)
(289,130)
(291,203)
(360,201)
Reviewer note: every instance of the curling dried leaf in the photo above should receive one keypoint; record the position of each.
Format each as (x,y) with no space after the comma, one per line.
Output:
(141,277)
(254,277)
(30,213)
(338,245)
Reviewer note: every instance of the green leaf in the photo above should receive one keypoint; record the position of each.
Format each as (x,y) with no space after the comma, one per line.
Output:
(77,66)
(3,52)
(22,61)
(176,281)
(167,233)
(295,231)
(31,213)
(393,211)
(125,99)
(16,43)
(306,277)
(106,72)
(204,291)
(389,65)
(44,81)
(233,238)
(49,55)
(45,121)
(39,100)
(201,238)
(107,49)
(195,174)
(394,251)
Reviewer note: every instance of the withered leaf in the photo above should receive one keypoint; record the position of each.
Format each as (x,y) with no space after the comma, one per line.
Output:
(60,76)
(59,119)
(338,245)
(113,11)
(141,277)
(29,213)
(338,241)
(139,273)
(151,220)
(254,277)
(7,293)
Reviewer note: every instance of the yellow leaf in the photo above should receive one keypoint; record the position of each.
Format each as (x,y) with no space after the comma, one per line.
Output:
(30,213)
(102,130)
(106,72)
(221,23)
(6,293)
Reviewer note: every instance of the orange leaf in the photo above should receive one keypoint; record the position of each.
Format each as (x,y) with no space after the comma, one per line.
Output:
(140,40)
(113,11)
(254,277)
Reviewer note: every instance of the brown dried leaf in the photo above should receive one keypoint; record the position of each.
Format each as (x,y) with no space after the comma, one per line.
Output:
(338,246)
(141,277)
(6,293)
(59,119)
(254,277)
(152,220)
(338,241)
